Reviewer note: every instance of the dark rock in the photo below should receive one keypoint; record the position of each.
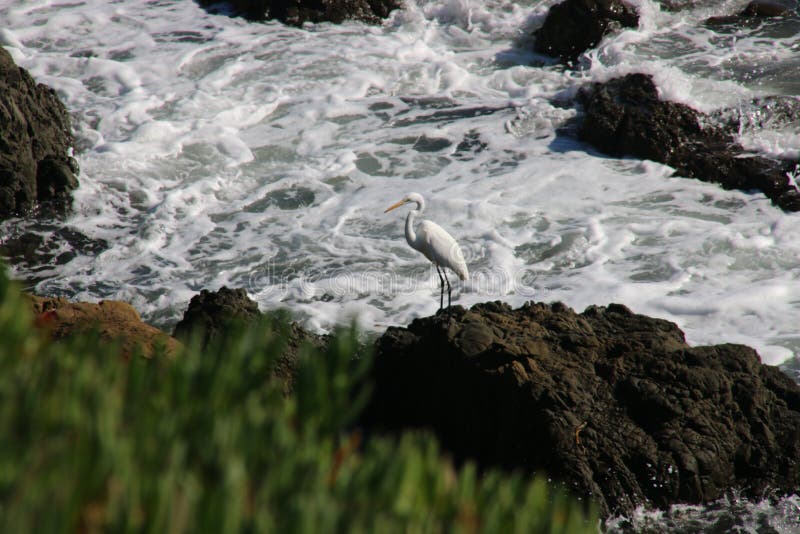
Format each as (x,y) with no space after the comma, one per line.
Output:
(54,176)
(757,9)
(765,8)
(615,405)
(22,249)
(574,26)
(296,12)
(209,313)
(291,198)
(35,138)
(33,249)
(626,117)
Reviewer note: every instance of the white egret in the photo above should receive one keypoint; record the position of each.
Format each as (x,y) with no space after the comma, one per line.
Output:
(435,243)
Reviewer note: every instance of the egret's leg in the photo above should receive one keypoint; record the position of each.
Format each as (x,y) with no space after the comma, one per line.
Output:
(449,291)
(441,287)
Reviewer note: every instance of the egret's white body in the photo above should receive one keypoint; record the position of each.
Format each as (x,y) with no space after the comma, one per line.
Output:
(434,243)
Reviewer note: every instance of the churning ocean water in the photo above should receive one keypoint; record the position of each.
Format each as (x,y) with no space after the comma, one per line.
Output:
(214,151)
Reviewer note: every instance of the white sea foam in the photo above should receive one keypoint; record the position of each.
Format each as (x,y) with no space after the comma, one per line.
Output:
(729,514)
(219,152)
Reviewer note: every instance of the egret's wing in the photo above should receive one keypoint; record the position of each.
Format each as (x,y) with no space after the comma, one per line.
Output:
(441,248)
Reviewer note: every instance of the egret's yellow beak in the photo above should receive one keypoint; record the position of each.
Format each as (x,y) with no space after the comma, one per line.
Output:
(393,206)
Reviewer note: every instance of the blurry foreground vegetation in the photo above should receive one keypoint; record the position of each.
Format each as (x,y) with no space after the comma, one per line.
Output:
(207,442)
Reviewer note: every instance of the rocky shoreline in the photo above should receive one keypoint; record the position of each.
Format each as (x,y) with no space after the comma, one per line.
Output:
(616,406)
(626,116)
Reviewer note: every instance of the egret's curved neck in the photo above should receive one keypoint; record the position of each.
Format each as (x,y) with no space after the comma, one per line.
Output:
(411,235)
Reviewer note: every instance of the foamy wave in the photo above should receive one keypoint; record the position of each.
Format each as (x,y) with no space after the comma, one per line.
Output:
(217,152)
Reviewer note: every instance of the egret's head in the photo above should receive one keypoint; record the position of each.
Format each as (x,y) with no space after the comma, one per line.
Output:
(410,198)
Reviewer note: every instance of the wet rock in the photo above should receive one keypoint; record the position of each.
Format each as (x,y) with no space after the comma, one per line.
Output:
(291,198)
(22,249)
(574,26)
(296,12)
(35,140)
(615,405)
(113,320)
(765,8)
(757,9)
(32,250)
(625,116)
(678,5)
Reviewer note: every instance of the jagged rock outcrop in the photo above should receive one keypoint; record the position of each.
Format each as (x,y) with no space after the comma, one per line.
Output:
(625,116)
(615,405)
(574,26)
(296,12)
(210,312)
(35,139)
(112,320)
